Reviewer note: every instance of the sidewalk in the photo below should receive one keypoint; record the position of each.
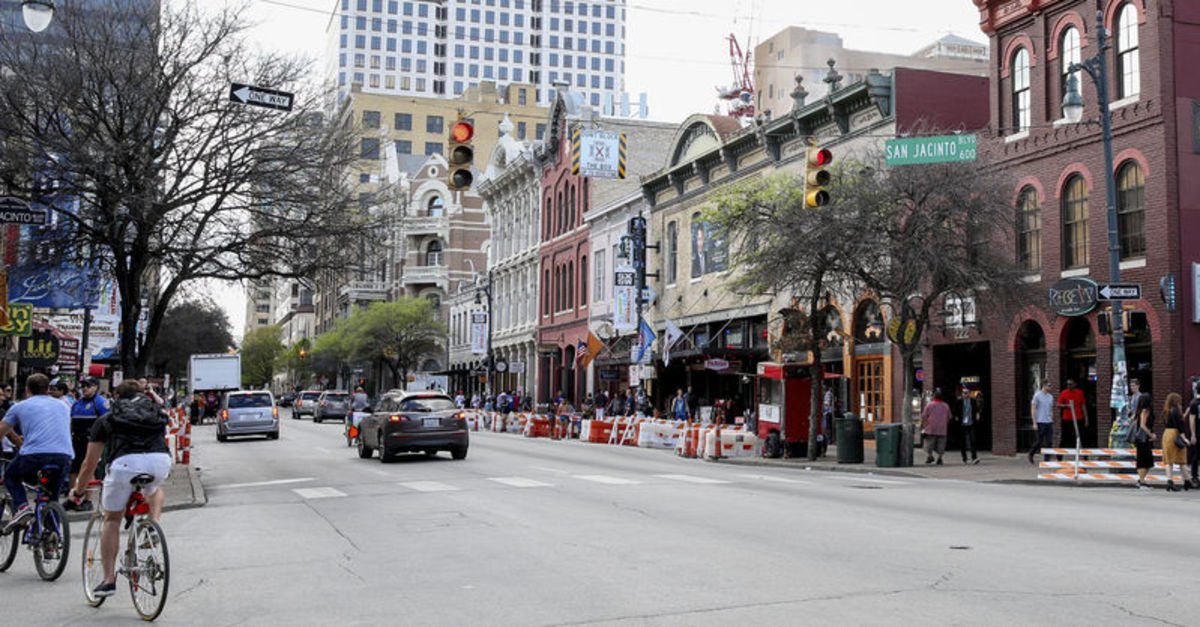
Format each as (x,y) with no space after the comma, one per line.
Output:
(990,469)
(184,491)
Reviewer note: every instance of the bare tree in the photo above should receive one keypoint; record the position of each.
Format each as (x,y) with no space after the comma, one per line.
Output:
(124,110)
(928,233)
(782,247)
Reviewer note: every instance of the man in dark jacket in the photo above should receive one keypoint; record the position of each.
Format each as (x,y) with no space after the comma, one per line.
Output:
(135,430)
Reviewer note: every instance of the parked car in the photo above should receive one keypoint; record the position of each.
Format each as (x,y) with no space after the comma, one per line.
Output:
(306,403)
(248,412)
(287,399)
(332,404)
(413,422)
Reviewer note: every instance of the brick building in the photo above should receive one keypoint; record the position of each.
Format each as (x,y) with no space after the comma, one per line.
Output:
(1059,197)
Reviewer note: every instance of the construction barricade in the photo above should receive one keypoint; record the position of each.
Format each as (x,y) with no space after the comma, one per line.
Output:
(726,441)
(625,431)
(595,431)
(538,426)
(1107,469)
(661,434)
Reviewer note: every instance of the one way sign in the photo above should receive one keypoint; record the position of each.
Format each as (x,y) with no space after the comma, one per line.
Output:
(260,97)
(1120,291)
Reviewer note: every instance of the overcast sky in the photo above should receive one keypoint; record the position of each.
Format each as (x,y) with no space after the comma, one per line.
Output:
(676,50)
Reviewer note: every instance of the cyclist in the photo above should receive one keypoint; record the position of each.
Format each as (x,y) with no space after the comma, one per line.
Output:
(45,425)
(135,431)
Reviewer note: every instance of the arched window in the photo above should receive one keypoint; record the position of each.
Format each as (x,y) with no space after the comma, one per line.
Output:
(557,288)
(583,281)
(433,253)
(1129,75)
(561,211)
(1020,91)
(570,285)
(672,252)
(1029,229)
(586,198)
(570,208)
(1075,223)
(1068,46)
(436,207)
(546,293)
(1131,210)
(547,218)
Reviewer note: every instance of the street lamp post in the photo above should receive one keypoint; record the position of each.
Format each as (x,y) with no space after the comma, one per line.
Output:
(37,14)
(1072,107)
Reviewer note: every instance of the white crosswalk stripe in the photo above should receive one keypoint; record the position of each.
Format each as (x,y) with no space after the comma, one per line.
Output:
(770,479)
(520,482)
(691,479)
(319,493)
(607,480)
(429,486)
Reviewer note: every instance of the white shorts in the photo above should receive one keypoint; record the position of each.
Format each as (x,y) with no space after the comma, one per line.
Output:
(124,468)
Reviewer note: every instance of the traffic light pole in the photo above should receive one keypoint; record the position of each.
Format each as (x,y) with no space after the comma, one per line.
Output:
(637,237)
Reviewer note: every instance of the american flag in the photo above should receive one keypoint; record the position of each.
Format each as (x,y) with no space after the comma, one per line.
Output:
(581,351)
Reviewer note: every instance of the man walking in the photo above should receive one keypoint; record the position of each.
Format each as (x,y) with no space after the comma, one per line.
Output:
(1074,410)
(969,417)
(1041,408)
(45,423)
(935,420)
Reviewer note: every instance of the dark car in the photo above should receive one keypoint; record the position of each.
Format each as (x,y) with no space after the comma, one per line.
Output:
(287,399)
(413,422)
(332,405)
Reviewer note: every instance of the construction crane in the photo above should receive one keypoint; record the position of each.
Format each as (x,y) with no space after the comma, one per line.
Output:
(740,93)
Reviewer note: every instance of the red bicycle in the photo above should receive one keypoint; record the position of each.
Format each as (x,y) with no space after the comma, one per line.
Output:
(145,561)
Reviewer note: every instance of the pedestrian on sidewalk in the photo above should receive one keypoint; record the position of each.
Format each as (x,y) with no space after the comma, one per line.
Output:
(1173,454)
(1143,434)
(1041,408)
(1074,409)
(935,420)
(679,408)
(968,418)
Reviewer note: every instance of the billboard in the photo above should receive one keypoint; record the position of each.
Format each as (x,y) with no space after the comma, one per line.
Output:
(709,252)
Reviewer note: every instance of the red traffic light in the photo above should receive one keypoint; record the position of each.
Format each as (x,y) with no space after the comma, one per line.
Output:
(462,132)
(821,157)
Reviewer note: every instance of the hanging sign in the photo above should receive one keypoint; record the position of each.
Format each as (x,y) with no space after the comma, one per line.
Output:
(1075,296)
(625,294)
(479,331)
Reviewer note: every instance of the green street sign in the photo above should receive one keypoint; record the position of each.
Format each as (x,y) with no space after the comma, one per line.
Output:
(918,150)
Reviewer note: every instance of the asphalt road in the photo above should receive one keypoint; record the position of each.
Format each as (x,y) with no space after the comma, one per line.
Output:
(533,532)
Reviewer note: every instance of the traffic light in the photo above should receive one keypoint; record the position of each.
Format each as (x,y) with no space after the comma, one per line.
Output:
(461,155)
(816,177)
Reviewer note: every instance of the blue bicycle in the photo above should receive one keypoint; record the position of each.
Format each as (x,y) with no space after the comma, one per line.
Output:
(47,534)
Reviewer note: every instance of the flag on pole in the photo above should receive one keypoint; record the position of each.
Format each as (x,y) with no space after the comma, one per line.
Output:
(672,335)
(581,353)
(645,339)
(593,348)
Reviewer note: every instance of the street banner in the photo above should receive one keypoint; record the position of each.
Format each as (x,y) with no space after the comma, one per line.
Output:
(673,335)
(479,331)
(625,299)
(645,339)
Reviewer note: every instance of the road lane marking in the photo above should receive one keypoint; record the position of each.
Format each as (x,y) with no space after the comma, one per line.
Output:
(776,479)
(520,482)
(553,470)
(691,479)
(429,486)
(607,480)
(319,493)
(865,479)
(263,483)
(381,473)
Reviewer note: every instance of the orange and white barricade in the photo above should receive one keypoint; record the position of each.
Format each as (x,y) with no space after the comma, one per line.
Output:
(728,441)
(516,422)
(595,430)
(538,427)
(689,440)
(661,434)
(497,422)
(1092,470)
(625,431)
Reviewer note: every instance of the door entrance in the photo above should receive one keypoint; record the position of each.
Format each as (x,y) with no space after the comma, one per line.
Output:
(969,366)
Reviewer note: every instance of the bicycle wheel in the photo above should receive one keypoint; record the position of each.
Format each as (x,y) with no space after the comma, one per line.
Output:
(52,546)
(150,571)
(9,542)
(93,566)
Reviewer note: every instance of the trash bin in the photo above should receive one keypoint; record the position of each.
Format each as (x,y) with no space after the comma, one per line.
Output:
(887,445)
(849,439)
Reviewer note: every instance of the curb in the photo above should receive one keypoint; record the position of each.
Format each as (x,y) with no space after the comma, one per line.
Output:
(856,470)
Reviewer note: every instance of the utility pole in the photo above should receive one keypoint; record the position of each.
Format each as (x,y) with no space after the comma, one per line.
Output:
(637,240)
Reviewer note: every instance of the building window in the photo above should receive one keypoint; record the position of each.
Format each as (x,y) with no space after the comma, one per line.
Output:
(433,254)
(1069,54)
(598,291)
(1131,210)
(1020,91)
(434,124)
(435,207)
(546,287)
(370,148)
(1074,218)
(433,148)
(583,281)
(1029,227)
(370,119)
(403,122)
(672,252)
(403,147)
(1129,75)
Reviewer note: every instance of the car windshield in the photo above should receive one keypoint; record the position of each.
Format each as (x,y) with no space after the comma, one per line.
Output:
(428,403)
(238,401)
(337,398)
(310,396)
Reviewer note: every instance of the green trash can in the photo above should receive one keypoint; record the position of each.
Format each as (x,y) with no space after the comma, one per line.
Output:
(849,439)
(887,445)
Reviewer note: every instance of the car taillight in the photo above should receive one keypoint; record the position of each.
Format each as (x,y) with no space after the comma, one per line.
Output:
(274,412)
(397,418)
(224,414)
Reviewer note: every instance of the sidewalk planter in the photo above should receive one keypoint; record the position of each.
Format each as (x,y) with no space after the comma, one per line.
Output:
(887,445)
(849,439)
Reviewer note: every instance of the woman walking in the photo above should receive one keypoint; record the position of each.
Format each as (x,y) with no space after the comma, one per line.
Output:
(1173,454)
(1143,436)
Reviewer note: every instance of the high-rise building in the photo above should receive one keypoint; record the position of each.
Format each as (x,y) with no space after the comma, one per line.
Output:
(440,49)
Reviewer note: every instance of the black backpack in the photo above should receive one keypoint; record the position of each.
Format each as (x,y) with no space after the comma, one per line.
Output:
(138,416)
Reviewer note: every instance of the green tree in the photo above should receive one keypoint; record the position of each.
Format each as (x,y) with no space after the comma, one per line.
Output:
(331,352)
(297,361)
(189,328)
(782,247)
(260,350)
(399,334)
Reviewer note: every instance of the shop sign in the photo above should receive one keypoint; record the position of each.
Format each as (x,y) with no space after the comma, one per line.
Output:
(610,374)
(1075,296)
(39,350)
(716,364)
(516,367)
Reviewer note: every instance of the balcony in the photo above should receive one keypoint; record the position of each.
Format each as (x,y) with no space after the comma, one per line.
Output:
(356,291)
(427,275)
(426,225)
